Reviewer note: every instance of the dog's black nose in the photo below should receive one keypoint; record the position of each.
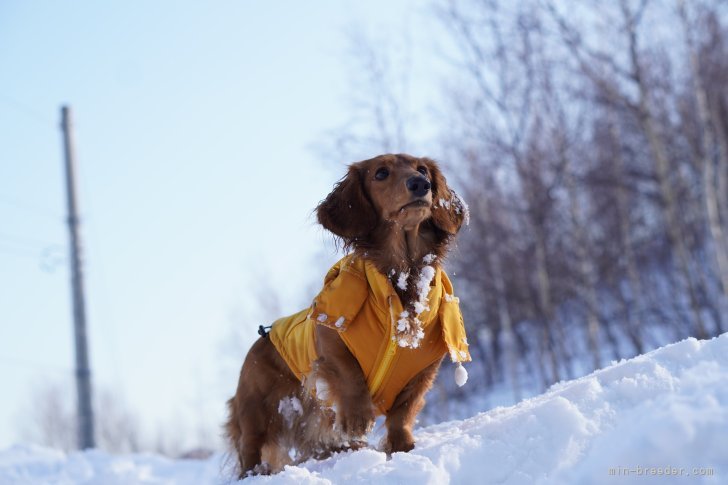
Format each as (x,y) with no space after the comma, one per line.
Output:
(419,185)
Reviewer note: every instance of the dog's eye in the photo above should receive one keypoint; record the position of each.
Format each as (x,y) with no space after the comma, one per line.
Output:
(422,170)
(381,174)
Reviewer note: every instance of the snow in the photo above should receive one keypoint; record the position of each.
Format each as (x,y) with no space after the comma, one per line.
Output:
(289,407)
(663,413)
(423,289)
(408,331)
(461,375)
(403,322)
(419,307)
(29,464)
(458,355)
(402,281)
(423,284)
(460,205)
(322,389)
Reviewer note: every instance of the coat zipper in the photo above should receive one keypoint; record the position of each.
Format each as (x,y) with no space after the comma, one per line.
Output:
(387,358)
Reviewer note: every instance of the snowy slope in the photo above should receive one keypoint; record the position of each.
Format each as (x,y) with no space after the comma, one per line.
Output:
(663,411)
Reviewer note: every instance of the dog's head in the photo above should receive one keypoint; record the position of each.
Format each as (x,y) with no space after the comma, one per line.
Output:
(393,190)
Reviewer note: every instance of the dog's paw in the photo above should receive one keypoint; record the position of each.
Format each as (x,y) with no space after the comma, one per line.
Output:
(401,440)
(356,445)
(260,469)
(349,445)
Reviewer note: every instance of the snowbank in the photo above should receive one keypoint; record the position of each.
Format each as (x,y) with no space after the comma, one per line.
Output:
(36,465)
(661,416)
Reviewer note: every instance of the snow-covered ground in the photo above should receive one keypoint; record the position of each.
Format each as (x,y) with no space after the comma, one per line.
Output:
(658,418)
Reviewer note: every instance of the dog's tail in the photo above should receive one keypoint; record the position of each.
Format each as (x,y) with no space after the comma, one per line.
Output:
(232,426)
(233,435)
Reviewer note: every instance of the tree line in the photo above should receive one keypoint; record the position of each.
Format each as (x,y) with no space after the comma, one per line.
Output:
(591,141)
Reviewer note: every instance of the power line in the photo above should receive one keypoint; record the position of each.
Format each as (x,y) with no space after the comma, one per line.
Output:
(36,210)
(20,252)
(14,362)
(25,241)
(27,111)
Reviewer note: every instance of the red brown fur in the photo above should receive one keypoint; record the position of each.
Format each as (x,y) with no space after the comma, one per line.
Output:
(393,221)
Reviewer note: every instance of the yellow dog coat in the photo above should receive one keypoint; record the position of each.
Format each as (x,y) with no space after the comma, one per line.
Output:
(361,303)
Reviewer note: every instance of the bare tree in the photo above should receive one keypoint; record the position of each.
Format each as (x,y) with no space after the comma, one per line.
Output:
(594,153)
(593,63)
(632,302)
(707,162)
(51,420)
(379,99)
(508,124)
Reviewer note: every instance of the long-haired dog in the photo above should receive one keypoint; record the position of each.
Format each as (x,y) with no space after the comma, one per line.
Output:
(373,339)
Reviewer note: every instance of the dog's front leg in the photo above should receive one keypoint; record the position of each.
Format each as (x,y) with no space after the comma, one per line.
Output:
(345,383)
(401,416)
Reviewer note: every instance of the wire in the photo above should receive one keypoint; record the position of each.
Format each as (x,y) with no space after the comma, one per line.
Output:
(13,362)
(28,111)
(23,253)
(109,327)
(49,256)
(26,241)
(37,210)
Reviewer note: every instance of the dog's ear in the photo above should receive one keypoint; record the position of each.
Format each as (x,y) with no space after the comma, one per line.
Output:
(448,209)
(347,211)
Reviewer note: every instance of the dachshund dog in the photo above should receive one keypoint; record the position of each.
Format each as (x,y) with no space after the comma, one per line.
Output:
(373,340)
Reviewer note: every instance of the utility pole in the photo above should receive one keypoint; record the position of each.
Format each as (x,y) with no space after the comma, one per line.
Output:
(83,373)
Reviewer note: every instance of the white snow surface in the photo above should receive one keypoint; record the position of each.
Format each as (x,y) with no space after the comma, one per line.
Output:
(662,411)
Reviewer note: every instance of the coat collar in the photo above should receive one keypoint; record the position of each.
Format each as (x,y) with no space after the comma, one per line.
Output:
(441,301)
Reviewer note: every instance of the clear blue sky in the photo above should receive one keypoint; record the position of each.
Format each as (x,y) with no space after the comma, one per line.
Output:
(194,126)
